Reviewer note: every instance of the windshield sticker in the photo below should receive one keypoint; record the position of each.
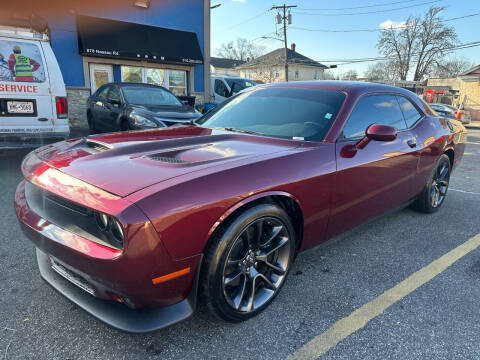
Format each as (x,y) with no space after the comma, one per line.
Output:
(20,62)
(328,116)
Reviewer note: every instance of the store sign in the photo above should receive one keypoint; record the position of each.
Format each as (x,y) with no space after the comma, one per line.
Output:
(117,39)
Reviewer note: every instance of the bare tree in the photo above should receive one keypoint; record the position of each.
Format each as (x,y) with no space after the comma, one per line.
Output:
(383,71)
(451,67)
(240,49)
(419,44)
(327,75)
(349,75)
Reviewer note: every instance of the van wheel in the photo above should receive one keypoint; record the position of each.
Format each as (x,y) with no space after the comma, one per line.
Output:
(91,123)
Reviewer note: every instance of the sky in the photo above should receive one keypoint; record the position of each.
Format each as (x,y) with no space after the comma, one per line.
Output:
(251,19)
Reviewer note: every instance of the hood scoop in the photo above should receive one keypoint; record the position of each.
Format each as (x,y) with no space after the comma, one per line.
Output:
(167,159)
(94,147)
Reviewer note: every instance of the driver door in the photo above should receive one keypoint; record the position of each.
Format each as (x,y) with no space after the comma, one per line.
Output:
(379,177)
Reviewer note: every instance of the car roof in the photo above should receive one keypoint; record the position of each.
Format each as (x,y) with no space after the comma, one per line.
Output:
(339,85)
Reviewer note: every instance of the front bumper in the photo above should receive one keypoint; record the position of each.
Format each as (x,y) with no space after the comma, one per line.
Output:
(114,277)
(114,314)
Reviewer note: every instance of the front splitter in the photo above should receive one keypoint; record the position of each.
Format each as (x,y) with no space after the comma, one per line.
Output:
(117,315)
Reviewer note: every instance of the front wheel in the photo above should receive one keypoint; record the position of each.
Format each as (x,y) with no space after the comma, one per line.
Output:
(435,190)
(247,262)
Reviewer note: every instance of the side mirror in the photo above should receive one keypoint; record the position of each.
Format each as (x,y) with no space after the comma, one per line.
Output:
(378,132)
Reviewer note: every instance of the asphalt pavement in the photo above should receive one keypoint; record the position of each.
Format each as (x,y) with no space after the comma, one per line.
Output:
(438,320)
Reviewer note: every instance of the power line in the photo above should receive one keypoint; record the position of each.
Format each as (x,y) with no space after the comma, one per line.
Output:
(360,60)
(373,30)
(248,20)
(359,7)
(369,12)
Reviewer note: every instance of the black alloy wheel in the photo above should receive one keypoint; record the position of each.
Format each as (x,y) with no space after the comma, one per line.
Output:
(256,264)
(435,191)
(439,187)
(247,263)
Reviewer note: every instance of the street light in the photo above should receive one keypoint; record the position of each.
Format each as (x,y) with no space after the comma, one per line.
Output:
(215,6)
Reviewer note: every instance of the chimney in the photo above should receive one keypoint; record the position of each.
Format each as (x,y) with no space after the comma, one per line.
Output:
(293,46)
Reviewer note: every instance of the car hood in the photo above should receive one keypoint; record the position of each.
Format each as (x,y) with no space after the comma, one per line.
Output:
(168,112)
(123,163)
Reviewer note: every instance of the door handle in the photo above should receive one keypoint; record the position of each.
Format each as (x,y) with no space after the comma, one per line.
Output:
(42,119)
(412,143)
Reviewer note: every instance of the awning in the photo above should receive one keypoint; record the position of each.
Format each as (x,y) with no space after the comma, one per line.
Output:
(123,40)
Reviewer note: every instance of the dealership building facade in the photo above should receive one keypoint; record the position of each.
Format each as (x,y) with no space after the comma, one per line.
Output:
(163,42)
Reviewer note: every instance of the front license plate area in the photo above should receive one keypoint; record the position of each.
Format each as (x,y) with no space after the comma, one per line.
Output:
(70,276)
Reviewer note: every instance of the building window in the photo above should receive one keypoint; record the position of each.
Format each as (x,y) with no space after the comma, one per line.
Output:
(174,80)
(177,82)
(132,74)
(156,77)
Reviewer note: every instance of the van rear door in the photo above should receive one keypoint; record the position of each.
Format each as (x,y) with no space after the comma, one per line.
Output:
(26,105)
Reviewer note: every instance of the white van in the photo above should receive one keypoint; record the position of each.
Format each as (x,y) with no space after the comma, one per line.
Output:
(221,86)
(33,102)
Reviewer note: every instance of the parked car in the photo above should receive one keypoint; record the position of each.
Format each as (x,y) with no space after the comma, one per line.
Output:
(451,112)
(132,106)
(33,103)
(138,225)
(224,86)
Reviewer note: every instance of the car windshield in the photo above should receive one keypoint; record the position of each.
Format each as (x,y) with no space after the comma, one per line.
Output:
(149,96)
(240,84)
(291,113)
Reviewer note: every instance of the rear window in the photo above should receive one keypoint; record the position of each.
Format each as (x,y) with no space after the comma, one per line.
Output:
(20,62)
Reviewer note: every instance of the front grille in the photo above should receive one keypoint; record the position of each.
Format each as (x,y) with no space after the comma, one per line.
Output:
(166,159)
(71,276)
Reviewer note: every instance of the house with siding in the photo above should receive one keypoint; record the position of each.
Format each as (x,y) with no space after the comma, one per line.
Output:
(271,67)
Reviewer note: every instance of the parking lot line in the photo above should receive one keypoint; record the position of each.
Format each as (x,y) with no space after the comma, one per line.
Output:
(465,192)
(343,328)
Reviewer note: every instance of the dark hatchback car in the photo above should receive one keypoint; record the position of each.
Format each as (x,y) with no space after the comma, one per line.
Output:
(130,106)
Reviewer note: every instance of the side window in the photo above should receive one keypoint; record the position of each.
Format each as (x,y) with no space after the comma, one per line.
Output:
(410,112)
(374,109)
(220,88)
(102,92)
(114,93)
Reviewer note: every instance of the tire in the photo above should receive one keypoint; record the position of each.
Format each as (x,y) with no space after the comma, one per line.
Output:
(124,125)
(91,123)
(435,190)
(231,269)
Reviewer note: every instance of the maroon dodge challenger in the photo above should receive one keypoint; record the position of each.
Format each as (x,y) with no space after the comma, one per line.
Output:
(134,227)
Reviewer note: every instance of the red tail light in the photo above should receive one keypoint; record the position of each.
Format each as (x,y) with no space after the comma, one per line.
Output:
(62,107)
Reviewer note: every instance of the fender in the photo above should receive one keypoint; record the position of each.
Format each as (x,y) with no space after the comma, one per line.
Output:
(247,201)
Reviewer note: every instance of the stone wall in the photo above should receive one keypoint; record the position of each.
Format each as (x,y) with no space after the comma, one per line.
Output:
(77,106)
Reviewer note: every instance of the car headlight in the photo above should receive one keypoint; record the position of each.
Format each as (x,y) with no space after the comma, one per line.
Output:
(110,226)
(139,120)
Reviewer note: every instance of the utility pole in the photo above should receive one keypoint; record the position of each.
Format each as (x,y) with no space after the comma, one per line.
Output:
(285,19)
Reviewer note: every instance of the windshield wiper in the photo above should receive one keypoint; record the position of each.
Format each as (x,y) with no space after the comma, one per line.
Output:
(243,131)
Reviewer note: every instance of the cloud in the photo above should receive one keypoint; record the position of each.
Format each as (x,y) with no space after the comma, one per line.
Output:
(387,24)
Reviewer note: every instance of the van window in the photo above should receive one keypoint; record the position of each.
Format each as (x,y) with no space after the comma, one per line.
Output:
(20,62)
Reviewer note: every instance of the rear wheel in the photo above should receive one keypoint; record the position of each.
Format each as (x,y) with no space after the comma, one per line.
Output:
(247,262)
(435,190)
